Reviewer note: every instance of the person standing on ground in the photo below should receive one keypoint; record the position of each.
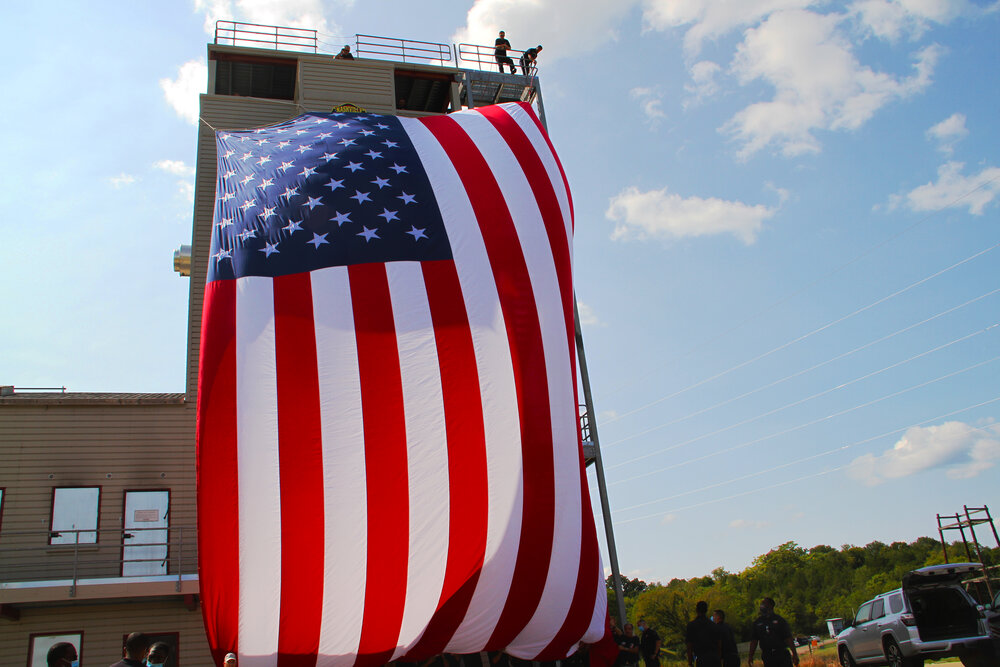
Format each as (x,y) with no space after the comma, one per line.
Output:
(704,642)
(649,644)
(730,653)
(529,57)
(159,653)
(628,648)
(500,53)
(136,649)
(774,636)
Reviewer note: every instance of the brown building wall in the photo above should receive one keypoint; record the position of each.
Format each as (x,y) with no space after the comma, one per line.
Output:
(115,444)
(103,626)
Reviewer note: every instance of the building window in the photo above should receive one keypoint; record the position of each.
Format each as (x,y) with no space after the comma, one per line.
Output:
(74,515)
(272,78)
(39,645)
(2,492)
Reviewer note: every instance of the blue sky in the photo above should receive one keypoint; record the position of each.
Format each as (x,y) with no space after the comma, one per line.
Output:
(786,251)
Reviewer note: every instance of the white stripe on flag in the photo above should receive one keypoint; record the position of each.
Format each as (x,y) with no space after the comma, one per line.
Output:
(560,582)
(493,364)
(596,628)
(527,124)
(426,449)
(257,456)
(345,502)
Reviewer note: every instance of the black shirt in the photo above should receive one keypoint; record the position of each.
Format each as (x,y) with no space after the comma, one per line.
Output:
(703,636)
(501,46)
(771,632)
(728,639)
(627,657)
(648,641)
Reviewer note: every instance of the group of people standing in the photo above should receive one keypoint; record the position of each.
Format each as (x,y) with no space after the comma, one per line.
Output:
(528,57)
(139,651)
(711,641)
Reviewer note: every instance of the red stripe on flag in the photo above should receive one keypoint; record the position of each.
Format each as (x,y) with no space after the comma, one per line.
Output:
(545,135)
(467,479)
(385,463)
(548,205)
(524,334)
(582,607)
(300,456)
(218,497)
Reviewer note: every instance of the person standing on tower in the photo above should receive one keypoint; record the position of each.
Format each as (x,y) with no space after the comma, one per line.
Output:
(529,57)
(500,53)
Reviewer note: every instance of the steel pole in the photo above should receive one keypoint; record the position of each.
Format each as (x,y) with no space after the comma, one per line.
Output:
(602,486)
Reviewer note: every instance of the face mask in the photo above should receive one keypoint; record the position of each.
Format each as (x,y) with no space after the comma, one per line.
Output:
(75,663)
(155,664)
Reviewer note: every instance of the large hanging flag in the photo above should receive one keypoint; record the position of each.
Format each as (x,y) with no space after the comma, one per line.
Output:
(389,464)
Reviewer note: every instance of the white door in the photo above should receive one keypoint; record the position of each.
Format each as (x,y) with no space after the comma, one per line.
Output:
(145,534)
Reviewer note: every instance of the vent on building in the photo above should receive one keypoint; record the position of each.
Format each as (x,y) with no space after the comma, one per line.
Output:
(423,91)
(244,76)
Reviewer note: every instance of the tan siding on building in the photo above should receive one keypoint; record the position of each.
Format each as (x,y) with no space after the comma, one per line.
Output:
(103,626)
(115,447)
(326,83)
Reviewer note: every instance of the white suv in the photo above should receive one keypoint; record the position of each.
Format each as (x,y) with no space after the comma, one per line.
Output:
(931,617)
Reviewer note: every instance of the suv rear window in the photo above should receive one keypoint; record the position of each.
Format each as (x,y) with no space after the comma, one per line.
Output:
(896,603)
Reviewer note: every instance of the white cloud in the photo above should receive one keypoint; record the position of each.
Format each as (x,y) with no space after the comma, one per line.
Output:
(175,167)
(703,81)
(667,519)
(961,449)
(564,30)
(954,190)
(588,317)
(818,83)
(745,523)
(182,92)
(122,180)
(658,214)
(948,132)
(892,19)
(286,13)
(710,19)
(186,190)
(650,101)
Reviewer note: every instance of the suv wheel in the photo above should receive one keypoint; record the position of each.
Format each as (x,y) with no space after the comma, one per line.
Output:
(894,655)
(845,658)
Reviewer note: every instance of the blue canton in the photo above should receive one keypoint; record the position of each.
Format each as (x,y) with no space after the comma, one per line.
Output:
(321,190)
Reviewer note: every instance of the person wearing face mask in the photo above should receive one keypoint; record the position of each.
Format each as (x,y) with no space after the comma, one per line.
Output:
(649,644)
(136,649)
(159,653)
(774,636)
(62,654)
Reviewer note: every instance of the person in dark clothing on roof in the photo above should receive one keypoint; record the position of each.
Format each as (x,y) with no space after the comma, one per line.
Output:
(529,57)
(345,53)
(500,53)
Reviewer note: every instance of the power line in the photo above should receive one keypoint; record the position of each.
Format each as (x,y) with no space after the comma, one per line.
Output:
(812,457)
(818,280)
(793,428)
(806,370)
(798,402)
(803,336)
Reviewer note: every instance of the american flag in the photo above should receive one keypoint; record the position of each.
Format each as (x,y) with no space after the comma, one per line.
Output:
(389,464)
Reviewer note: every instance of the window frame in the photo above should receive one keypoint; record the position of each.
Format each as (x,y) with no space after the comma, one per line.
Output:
(35,635)
(52,515)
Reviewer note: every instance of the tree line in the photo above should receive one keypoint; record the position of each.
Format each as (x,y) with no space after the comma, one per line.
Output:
(808,585)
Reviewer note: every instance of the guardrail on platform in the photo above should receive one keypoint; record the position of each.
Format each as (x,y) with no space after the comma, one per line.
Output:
(484,59)
(236,33)
(29,556)
(402,50)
